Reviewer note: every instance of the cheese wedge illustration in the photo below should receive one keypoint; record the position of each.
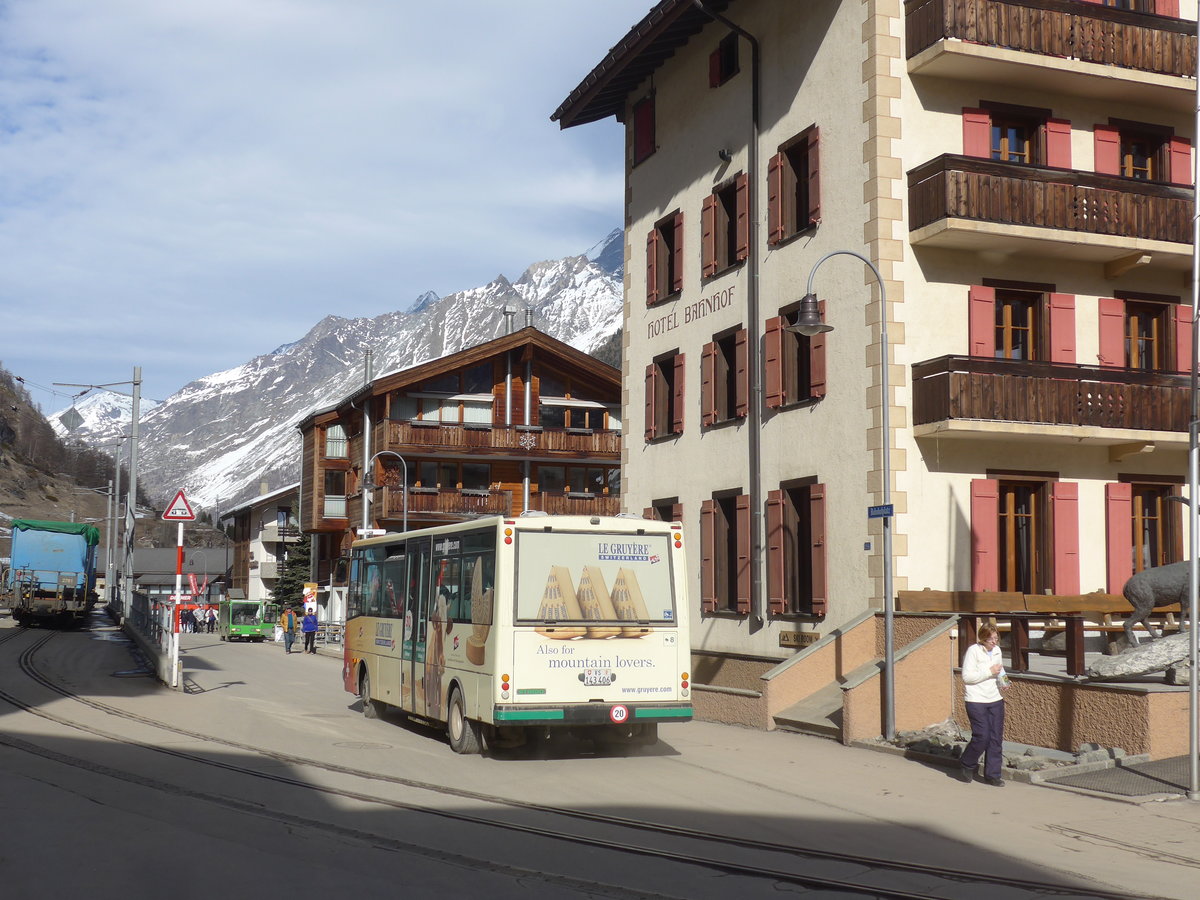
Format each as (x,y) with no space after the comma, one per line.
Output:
(629,604)
(559,604)
(596,604)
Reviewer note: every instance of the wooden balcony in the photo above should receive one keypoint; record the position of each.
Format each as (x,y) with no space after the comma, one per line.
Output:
(1092,49)
(965,203)
(448,505)
(577,504)
(1090,404)
(523,442)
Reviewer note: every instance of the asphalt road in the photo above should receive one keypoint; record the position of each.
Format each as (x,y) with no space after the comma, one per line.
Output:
(263,779)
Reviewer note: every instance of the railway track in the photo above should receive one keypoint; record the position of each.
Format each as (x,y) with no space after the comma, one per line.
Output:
(764,862)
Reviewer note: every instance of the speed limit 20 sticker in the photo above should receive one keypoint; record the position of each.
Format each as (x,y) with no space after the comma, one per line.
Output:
(619,714)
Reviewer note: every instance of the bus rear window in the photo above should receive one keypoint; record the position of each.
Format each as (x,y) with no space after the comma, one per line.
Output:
(565,577)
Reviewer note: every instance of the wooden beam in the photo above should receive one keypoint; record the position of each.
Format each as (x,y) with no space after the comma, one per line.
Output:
(1115,268)
(1119,452)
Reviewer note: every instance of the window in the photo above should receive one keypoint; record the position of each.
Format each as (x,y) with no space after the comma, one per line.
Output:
(335,495)
(724,384)
(725,226)
(1142,151)
(664,396)
(1012,320)
(643,130)
(1144,526)
(578,479)
(1017,134)
(723,62)
(1021,537)
(560,414)
(1147,333)
(1025,534)
(793,186)
(796,573)
(725,554)
(449,476)
(795,364)
(335,442)
(664,258)
(403,408)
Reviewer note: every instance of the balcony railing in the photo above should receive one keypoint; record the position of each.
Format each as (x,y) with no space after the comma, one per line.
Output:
(1002,390)
(952,186)
(273,534)
(577,504)
(447,503)
(1062,28)
(516,440)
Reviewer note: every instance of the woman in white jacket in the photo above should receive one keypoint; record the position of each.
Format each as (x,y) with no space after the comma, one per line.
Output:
(982,675)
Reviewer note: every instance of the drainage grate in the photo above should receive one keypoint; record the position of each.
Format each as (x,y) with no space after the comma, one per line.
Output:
(1162,776)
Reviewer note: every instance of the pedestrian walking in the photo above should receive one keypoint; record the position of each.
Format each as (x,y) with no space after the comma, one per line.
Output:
(287,621)
(308,625)
(983,678)
(212,620)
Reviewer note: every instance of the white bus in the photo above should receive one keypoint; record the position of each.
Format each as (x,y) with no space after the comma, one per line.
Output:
(502,625)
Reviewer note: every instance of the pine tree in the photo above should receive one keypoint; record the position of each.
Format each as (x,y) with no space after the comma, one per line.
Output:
(294,572)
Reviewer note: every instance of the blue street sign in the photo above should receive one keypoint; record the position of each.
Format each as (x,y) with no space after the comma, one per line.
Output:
(881,512)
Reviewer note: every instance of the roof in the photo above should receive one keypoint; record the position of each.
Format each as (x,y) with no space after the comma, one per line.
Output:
(156,565)
(652,41)
(261,498)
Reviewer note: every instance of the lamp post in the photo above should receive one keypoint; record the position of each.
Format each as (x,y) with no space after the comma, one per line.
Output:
(369,484)
(808,322)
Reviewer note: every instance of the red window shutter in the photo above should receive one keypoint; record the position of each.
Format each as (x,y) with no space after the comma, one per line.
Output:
(981,321)
(1112,332)
(742,513)
(1064,496)
(643,130)
(776,602)
(741,373)
(677,407)
(1167,8)
(1062,328)
(816,359)
(977,133)
(708,556)
(708,374)
(708,236)
(1181,160)
(677,282)
(652,267)
(773,361)
(714,68)
(1058,143)
(1107,143)
(651,391)
(820,585)
(814,176)
(1183,338)
(742,202)
(775,199)
(985,534)
(1118,508)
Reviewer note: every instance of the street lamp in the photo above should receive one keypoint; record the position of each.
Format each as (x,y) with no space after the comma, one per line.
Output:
(369,484)
(808,323)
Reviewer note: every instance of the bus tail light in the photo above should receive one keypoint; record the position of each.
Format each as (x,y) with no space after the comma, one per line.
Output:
(683,683)
(504,686)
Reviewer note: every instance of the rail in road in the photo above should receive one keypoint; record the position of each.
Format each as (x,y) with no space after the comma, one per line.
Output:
(617,845)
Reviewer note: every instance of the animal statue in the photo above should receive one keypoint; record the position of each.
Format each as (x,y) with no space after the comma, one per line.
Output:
(1152,588)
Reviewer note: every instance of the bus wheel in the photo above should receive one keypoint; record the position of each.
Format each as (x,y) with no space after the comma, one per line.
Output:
(463,733)
(371,708)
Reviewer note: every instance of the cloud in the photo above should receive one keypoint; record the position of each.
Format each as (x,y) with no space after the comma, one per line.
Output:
(223,174)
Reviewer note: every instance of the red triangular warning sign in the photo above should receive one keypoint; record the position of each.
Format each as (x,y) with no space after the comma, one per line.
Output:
(179,510)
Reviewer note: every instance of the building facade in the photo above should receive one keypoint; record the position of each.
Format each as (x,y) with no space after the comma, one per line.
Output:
(520,422)
(264,529)
(1020,176)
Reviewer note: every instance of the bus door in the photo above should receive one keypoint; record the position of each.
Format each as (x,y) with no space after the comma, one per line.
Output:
(416,614)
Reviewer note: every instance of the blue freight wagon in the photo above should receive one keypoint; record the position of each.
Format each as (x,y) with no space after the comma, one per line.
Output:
(52,576)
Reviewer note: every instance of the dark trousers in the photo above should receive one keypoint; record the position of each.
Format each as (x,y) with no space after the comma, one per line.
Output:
(310,642)
(987,736)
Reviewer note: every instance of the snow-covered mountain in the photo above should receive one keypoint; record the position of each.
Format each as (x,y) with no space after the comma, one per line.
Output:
(102,414)
(223,435)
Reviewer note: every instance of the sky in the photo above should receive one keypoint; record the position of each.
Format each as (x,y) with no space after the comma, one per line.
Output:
(186,185)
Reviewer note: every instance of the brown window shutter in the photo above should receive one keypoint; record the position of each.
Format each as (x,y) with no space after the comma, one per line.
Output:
(708,556)
(677,410)
(775,199)
(814,176)
(776,602)
(742,513)
(816,359)
(773,347)
(714,68)
(820,586)
(652,267)
(741,373)
(708,371)
(742,190)
(676,512)
(677,283)
(708,236)
(649,513)
(651,391)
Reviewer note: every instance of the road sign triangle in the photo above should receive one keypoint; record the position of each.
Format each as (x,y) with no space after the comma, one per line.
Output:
(179,510)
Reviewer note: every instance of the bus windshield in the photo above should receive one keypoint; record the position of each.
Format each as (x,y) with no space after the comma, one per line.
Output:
(244,614)
(565,577)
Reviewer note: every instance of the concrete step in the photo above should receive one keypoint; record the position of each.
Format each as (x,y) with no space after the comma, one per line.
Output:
(819,714)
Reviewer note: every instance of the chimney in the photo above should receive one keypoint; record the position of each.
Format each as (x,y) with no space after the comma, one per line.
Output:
(508,312)
(529,318)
